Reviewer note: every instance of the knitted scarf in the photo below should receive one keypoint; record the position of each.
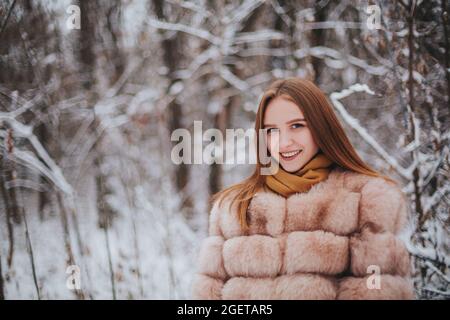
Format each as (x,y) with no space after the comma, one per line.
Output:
(314,171)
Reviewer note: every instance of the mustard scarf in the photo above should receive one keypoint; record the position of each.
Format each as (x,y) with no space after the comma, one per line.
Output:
(314,171)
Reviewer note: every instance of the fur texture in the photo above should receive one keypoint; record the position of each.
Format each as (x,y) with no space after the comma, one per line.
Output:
(315,245)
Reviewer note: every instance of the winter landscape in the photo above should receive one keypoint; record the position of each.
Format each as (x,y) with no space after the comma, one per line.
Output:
(92,205)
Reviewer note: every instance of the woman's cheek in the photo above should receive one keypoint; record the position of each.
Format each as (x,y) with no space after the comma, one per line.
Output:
(305,139)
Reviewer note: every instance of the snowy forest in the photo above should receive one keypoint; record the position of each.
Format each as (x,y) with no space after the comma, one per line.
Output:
(91,205)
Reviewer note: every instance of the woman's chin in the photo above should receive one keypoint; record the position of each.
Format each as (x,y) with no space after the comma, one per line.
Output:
(290,167)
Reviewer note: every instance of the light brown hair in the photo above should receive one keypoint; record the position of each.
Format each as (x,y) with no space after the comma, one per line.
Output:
(325,128)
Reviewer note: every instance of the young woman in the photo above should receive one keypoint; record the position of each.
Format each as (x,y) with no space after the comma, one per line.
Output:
(324,226)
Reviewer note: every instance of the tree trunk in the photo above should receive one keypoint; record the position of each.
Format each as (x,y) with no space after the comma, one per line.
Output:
(171,54)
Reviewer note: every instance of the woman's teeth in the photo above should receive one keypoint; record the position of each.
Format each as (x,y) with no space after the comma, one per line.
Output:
(290,155)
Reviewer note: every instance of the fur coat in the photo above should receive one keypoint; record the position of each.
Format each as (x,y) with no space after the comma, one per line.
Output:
(339,240)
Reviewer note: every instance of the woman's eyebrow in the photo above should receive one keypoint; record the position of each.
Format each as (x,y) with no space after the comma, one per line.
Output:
(295,120)
(290,121)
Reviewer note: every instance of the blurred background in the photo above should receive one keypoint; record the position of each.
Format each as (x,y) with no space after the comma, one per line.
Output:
(91,205)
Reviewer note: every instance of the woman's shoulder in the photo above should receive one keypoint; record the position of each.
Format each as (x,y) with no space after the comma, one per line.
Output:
(382,203)
(357,182)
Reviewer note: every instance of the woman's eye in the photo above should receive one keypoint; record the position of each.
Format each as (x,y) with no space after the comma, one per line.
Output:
(297,125)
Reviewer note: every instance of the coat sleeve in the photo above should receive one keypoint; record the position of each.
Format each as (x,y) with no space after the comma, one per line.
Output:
(210,274)
(379,261)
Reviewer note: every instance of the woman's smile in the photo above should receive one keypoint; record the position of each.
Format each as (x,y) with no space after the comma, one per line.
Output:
(289,156)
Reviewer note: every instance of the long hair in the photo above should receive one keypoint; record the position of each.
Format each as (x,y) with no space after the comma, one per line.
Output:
(325,128)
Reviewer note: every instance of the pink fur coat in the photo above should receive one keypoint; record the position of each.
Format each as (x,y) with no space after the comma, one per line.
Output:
(336,241)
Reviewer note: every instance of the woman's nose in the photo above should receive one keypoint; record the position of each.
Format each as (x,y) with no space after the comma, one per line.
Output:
(285,140)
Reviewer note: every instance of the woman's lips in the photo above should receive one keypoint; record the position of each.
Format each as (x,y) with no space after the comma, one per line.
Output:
(289,156)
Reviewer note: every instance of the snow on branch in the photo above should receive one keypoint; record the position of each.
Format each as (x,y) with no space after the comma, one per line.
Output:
(209,54)
(230,35)
(261,35)
(49,168)
(334,25)
(25,105)
(241,12)
(261,51)
(228,76)
(325,52)
(437,271)
(281,13)
(202,11)
(203,34)
(436,197)
(354,123)
(427,254)
(437,292)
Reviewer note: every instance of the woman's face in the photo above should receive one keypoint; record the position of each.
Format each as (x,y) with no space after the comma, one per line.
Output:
(289,139)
